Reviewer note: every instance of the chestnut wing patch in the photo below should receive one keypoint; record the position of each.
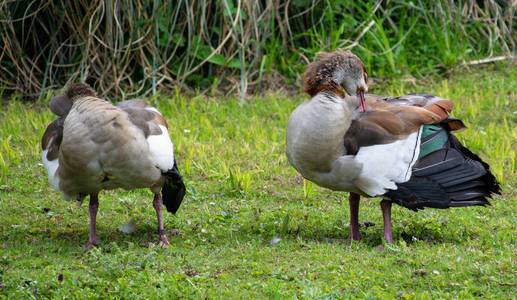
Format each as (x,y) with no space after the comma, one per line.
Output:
(390,119)
(378,127)
(438,107)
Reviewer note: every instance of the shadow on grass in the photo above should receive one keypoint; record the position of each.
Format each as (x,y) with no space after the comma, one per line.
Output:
(372,235)
(192,235)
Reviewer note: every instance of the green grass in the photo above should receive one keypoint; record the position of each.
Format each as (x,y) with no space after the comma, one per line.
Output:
(241,194)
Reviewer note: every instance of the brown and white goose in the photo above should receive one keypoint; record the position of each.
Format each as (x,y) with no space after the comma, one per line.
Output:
(94,145)
(400,149)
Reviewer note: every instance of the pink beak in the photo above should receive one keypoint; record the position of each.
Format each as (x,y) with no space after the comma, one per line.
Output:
(360,95)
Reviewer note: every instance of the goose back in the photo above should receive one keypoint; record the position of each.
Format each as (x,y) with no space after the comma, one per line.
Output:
(102,149)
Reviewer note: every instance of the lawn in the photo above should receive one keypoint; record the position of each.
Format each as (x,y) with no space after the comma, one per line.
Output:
(250,226)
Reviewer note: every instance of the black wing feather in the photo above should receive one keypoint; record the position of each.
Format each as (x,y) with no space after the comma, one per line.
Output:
(452,176)
(173,190)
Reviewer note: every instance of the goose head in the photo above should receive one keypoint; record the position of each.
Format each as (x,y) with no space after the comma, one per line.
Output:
(61,104)
(335,71)
(79,90)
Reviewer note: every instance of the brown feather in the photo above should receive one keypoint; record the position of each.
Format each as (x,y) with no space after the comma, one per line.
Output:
(438,110)
(365,73)
(446,105)
(319,76)
(78,90)
(133,103)
(454,124)
(159,119)
(145,119)
(60,105)
(363,133)
(389,119)
(385,119)
(52,137)
(418,109)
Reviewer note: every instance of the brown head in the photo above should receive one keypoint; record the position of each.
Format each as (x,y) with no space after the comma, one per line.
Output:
(335,71)
(78,90)
(61,104)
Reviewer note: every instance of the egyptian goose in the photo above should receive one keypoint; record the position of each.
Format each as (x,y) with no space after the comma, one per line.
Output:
(94,145)
(400,149)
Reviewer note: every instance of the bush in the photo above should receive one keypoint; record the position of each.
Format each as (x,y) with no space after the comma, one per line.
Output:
(134,47)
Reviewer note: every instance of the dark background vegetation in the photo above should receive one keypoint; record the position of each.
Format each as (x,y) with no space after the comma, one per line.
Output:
(127,48)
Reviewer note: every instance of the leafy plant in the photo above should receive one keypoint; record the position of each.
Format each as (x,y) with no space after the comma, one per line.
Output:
(138,47)
(307,188)
(239,181)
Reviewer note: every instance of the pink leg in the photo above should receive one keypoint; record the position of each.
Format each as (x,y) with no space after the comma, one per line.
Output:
(353,201)
(93,207)
(157,204)
(386,216)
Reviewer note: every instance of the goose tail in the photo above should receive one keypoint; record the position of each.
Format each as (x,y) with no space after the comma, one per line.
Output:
(173,190)
(447,174)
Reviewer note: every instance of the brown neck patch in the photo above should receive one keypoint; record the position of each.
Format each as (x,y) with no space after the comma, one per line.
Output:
(78,90)
(365,73)
(160,120)
(332,89)
(319,76)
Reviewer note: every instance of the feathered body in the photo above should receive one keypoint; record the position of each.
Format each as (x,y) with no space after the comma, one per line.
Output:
(94,145)
(339,152)
(401,149)
(104,148)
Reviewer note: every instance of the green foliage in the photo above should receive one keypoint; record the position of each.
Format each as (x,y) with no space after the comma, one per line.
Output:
(239,181)
(137,47)
(242,194)
(308,187)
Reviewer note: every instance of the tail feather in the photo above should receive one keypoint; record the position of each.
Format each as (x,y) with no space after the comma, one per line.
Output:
(173,189)
(488,178)
(467,171)
(451,176)
(468,185)
(467,194)
(480,201)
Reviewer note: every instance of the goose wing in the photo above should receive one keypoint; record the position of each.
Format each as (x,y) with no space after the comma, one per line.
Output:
(154,127)
(391,119)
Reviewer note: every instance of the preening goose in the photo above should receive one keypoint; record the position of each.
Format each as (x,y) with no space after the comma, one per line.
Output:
(94,145)
(400,149)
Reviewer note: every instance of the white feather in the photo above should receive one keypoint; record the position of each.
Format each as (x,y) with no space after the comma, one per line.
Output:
(51,166)
(385,165)
(162,150)
(153,109)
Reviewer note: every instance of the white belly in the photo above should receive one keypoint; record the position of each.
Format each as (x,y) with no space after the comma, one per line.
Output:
(374,170)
